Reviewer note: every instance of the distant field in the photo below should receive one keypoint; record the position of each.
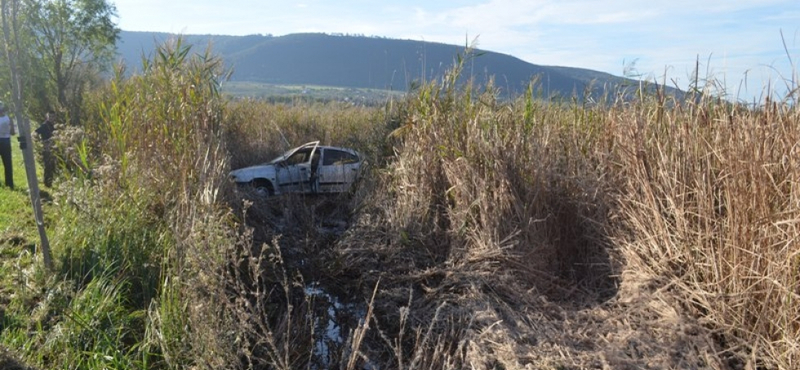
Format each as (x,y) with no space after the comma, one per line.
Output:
(267,91)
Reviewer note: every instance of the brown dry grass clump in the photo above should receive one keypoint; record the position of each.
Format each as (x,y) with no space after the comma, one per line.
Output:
(711,209)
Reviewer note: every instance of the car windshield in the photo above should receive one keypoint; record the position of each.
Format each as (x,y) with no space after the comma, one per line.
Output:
(281,157)
(289,153)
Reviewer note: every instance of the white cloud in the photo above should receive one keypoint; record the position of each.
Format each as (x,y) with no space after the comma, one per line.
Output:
(600,34)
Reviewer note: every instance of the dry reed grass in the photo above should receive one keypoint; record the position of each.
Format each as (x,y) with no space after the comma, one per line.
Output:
(654,234)
(712,204)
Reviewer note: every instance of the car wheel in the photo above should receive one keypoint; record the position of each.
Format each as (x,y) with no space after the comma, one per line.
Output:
(262,188)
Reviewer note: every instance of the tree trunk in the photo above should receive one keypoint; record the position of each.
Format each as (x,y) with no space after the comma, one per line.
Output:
(24,127)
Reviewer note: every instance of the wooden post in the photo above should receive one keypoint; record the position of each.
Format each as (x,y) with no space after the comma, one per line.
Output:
(23,125)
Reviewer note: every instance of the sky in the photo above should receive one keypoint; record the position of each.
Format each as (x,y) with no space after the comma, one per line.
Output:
(745,47)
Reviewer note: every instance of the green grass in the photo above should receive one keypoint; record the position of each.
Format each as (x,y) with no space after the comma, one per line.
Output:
(17,224)
(16,216)
(19,241)
(18,232)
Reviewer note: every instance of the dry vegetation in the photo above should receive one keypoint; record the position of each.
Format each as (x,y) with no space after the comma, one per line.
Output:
(646,234)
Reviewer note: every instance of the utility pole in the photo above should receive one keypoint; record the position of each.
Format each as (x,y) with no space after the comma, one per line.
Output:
(23,125)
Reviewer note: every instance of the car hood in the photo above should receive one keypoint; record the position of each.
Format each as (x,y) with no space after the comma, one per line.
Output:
(247,174)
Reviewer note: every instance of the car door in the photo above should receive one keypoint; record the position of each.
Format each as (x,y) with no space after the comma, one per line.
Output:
(338,170)
(293,173)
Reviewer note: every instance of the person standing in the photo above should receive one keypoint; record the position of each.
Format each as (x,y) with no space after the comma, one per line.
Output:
(6,131)
(45,134)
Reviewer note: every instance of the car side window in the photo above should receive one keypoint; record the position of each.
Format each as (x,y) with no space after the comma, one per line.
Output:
(338,157)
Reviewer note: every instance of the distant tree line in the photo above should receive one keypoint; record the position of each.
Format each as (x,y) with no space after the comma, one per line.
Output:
(338,34)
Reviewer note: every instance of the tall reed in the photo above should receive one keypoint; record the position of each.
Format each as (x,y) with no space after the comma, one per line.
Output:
(711,202)
(485,207)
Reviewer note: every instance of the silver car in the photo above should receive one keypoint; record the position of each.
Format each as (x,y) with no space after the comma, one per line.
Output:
(309,168)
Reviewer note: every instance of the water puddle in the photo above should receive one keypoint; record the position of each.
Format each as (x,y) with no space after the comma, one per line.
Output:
(334,322)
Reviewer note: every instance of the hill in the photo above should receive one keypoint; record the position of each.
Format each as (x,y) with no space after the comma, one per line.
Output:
(369,62)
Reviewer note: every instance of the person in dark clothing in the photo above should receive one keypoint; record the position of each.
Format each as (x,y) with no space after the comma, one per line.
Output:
(6,131)
(45,134)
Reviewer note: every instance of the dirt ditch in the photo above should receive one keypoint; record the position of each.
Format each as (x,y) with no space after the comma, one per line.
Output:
(587,310)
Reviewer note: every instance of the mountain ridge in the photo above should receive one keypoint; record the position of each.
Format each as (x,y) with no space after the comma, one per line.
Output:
(372,62)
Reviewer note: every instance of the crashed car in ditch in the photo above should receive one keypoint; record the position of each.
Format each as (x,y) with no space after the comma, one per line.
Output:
(309,168)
